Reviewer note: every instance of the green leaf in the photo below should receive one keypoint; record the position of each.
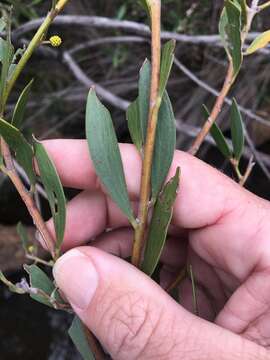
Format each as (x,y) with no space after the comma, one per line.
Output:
(220,141)
(164,145)
(166,129)
(146,4)
(2,24)
(230,32)
(144,96)
(194,291)
(237,130)
(23,236)
(39,280)
(160,222)
(105,154)
(54,191)
(6,52)
(134,125)
(13,288)
(260,42)
(77,334)
(166,65)
(23,150)
(218,136)
(244,10)
(20,107)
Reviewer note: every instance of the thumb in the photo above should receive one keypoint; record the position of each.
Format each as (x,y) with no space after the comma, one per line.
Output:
(133,317)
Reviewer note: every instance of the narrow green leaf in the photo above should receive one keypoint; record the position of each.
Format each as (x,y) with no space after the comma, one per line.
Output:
(10,285)
(2,24)
(77,334)
(218,136)
(260,42)
(23,236)
(220,141)
(7,52)
(194,291)
(23,150)
(223,22)
(164,145)
(39,280)
(2,49)
(166,129)
(134,125)
(166,65)
(144,96)
(230,32)
(146,4)
(20,107)
(105,154)
(54,191)
(237,130)
(244,9)
(160,222)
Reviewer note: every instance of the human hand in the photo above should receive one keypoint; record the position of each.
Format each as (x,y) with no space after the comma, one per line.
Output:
(222,229)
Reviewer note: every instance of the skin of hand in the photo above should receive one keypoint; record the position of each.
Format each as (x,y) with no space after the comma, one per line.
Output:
(223,231)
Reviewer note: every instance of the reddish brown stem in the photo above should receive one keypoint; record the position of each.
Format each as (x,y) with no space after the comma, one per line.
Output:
(10,171)
(215,112)
(154,106)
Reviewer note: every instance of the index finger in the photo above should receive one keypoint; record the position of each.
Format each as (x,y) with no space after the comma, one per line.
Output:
(205,194)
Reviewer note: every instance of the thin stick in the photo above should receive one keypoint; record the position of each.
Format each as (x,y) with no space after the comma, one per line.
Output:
(33,45)
(179,278)
(154,106)
(229,80)
(264,6)
(215,112)
(248,171)
(194,291)
(10,171)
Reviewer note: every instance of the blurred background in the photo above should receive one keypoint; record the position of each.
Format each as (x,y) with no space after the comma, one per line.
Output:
(105,43)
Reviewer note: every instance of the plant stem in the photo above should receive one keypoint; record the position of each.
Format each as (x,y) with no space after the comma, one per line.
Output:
(264,6)
(10,171)
(248,171)
(34,43)
(229,80)
(180,277)
(215,111)
(155,101)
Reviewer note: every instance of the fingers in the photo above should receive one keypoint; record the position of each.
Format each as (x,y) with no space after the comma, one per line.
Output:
(219,209)
(119,243)
(76,169)
(249,316)
(89,214)
(134,318)
(198,181)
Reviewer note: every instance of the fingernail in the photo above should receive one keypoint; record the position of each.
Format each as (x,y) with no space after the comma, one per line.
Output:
(77,277)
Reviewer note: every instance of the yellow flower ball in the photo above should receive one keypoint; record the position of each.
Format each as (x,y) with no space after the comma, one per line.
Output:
(55,41)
